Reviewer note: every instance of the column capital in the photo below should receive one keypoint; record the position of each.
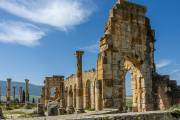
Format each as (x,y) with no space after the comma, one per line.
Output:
(120,1)
(79,53)
(26,80)
(9,79)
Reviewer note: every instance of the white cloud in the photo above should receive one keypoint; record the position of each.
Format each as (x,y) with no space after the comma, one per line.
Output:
(169,67)
(20,32)
(163,63)
(91,48)
(175,74)
(62,14)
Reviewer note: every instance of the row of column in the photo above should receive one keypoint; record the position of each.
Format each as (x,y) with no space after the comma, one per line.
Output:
(8,91)
(88,98)
(79,87)
(80,100)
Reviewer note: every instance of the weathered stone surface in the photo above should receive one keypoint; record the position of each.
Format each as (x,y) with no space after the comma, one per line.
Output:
(52,108)
(1,114)
(40,109)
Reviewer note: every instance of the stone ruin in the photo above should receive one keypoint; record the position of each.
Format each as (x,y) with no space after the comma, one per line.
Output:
(126,46)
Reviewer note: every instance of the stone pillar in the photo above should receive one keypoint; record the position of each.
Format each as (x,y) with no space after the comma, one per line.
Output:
(92,96)
(70,108)
(20,95)
(8,90)
(79,90)
(62,109)
(1,114)
(98,95)
(42,99)
(74,97)
(46,90)
(40,110)
(14,93)
(27,91)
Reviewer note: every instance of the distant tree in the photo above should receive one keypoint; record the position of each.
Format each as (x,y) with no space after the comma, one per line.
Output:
(33,100)
(23,96)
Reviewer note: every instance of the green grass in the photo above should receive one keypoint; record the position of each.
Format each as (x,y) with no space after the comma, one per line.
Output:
(175,111)
(129,101)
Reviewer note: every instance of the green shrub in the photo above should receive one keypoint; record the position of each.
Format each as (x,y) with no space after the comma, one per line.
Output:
(175,113)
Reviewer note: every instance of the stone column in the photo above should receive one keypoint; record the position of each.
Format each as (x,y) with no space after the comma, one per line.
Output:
(98,95)
(46,90)
(20,95)
(8,90)
(62,109)
(70,108)
(92,96)
(27,91)
(14,93)
(79,90)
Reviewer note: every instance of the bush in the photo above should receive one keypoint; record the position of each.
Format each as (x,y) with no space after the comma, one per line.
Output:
(175,113)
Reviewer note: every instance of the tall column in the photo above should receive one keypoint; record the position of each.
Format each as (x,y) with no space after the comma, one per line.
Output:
(20,95)
(14,93)
(92,96)
(62,109)
(8,90)
(98,95)
(79,90)
(27,91)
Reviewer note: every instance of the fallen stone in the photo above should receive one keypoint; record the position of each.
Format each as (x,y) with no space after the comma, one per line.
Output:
(53,108)
(40,110)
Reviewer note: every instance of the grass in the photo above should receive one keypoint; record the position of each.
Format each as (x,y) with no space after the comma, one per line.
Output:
(175,111)
(14,112)
(129,102)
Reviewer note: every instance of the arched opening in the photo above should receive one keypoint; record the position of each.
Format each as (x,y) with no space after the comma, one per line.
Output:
(52,92)
(132,91)
(88,94)
(128,91)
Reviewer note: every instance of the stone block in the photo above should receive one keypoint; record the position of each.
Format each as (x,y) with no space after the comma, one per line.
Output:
(40,109)
(53,108)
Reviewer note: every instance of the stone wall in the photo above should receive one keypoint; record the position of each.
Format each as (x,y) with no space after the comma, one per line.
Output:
(88,79)
(137,116)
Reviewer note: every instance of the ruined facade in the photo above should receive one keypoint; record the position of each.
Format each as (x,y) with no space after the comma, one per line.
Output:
(126,46)
(57,84)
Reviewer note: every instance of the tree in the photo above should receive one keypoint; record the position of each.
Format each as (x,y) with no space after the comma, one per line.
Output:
(33,100)
(23,97)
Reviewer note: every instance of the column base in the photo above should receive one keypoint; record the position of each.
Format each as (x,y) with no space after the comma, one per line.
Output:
(27,106)
(62,111)
(80,111)
(70,110)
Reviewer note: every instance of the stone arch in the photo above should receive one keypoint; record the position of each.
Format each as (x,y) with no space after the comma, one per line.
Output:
(136,83)
(88,95)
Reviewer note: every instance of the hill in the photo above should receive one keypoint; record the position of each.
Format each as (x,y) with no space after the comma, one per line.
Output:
(35,90)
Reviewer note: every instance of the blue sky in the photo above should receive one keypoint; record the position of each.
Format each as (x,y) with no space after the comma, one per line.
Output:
(38,39)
